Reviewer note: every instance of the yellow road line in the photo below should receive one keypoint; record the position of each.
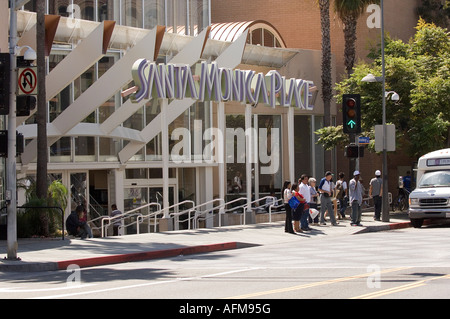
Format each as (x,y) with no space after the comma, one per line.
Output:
(314,284)
(385,292)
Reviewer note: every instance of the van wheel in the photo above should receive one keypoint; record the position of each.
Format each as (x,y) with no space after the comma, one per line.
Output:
(417,222)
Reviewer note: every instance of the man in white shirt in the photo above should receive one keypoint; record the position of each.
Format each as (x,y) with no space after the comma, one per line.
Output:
(325,199)
(306,193)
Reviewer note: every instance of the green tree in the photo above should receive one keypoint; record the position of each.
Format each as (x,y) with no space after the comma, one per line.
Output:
(327,82)
(435,11)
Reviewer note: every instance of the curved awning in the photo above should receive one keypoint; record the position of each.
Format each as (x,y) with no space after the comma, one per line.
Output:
(232,30)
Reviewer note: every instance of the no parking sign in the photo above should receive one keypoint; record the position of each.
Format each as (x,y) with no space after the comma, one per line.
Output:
(27,81)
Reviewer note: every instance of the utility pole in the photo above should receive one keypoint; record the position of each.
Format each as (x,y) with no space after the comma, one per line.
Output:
(11,177)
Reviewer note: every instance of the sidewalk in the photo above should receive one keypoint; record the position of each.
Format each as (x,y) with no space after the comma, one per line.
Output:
(57,254)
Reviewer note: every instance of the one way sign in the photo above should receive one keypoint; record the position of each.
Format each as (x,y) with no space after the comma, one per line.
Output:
(27,81)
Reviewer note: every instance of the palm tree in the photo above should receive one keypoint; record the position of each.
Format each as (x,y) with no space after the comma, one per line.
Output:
(41,115)
(327,85)
(327,90)
(349,11)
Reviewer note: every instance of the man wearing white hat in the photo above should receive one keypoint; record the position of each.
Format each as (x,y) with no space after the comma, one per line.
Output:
(356,196)
(376,191)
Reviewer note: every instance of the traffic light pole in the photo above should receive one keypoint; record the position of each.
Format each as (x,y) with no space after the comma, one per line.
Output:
(385,199)
(11,177)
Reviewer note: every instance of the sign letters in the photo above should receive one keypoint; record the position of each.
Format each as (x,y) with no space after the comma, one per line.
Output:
(212,83)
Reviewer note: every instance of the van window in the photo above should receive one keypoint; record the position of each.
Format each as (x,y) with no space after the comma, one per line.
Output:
(435,179)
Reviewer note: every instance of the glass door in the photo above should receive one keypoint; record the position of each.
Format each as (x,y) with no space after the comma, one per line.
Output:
(78,189)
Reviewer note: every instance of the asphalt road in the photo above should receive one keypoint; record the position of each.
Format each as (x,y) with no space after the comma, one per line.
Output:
(396,264)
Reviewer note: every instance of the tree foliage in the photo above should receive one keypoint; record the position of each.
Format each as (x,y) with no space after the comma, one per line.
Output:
(419,71)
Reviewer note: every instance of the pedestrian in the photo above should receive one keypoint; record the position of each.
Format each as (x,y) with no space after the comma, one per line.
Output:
(287,194)
(407,181)
(117,222)
(306,193)
(325,191)
(356,198)
(76,226)
(314,201)
(270,201)
(376,191)
(297,213)
(333,198)
(237,183)
(342,194)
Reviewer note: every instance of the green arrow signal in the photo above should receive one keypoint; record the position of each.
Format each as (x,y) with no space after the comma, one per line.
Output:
(351,123)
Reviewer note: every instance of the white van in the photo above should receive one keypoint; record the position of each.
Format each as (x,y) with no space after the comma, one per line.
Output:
(431,198)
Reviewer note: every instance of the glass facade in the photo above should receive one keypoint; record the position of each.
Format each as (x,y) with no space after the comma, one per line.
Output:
(179,16)
(182,16)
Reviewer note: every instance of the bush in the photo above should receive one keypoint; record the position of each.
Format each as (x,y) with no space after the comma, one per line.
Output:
(38,222)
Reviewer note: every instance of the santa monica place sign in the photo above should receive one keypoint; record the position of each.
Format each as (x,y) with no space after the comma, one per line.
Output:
(213,83)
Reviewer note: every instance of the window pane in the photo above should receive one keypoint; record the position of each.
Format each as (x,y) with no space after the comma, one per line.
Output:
(199,16)
(132,13)
(84,149)
(177,16)
(269,154)
(154,13)
(60,151)
(302,145)
(108,10)
(235,154)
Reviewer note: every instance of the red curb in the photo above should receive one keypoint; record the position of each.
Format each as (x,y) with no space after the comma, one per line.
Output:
(400,225)
(115,259)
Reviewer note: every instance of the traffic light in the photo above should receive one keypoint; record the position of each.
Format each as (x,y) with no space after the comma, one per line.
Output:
(354,151)
(24,104)
(351,110)
(4,83)
(3,143)
(20,143)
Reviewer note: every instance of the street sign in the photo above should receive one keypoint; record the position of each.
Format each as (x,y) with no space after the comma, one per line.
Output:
(390,139)
(27,81)
(363,140)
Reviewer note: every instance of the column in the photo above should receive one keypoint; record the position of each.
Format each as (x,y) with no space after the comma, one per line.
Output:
(165,155)
(248,161)
(291,144)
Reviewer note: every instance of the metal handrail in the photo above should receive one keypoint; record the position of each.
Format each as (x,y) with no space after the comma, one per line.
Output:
(274,206)
(123,215)
(247,207)
(197,212)
(177,214)
(163,211)
(139,218)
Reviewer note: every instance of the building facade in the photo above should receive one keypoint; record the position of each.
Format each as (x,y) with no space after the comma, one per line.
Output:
(299,23)
(107,148)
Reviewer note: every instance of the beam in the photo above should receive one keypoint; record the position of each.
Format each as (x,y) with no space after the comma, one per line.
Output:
(80,59)
(190,54)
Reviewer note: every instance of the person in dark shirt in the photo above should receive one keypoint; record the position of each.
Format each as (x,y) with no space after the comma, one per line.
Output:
(407,181)
(77,227)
